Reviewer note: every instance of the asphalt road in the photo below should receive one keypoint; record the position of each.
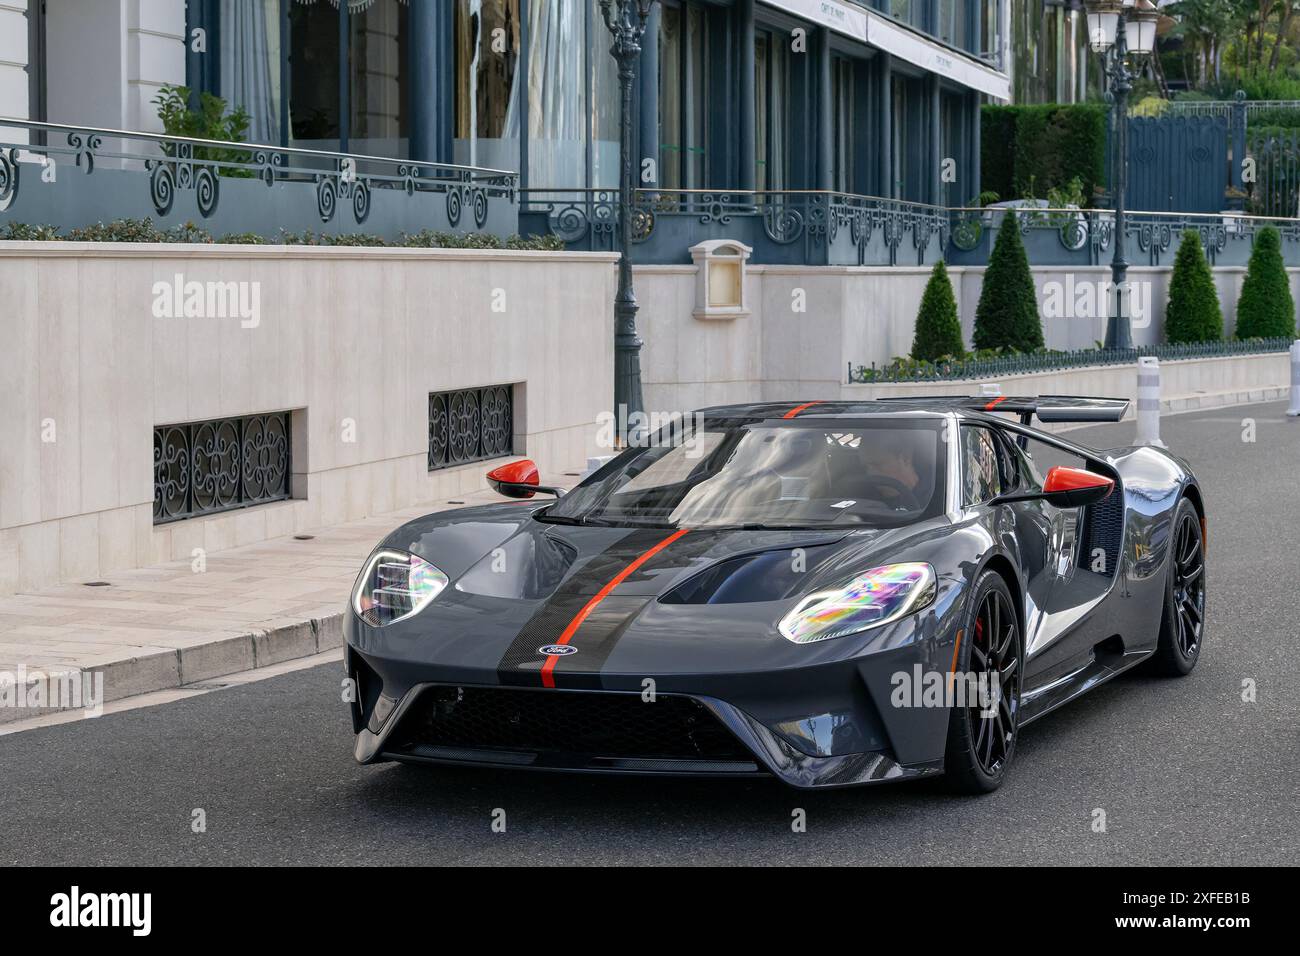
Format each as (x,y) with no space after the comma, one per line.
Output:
(1186,772)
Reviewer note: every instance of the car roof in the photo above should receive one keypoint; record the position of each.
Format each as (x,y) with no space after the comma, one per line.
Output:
(1047,408)
(818,409)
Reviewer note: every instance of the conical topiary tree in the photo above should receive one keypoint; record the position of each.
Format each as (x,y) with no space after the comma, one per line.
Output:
(938,330)
(1266,309)
(1193,313)
(1007,315)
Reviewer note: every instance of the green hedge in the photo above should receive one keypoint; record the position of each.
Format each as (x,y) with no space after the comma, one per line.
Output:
(938,329)
(1265,309)
(997,150)
(1193,313)
(1027,150)
(144,230)
(1007,314)
(1282,117)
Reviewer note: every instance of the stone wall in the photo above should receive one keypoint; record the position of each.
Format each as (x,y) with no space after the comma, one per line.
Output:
(859,315)
(350,340)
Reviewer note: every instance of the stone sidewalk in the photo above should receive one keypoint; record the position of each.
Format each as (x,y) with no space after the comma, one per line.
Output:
(168,626)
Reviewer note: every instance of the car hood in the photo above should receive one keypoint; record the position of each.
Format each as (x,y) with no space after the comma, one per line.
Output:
(502,551)
(519,584)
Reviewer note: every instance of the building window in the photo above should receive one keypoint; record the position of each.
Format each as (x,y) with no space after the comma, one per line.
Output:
(772,109)
(378,79)
(573,97)
(36,97)
(487,59)
(335,75)
(683,95)
(954,23)
(311,73)
(911,12)
(843,80)
(952,126)
(314,110)
(604,96)
(910,139)
(248,50)
(220,465)
(469,425)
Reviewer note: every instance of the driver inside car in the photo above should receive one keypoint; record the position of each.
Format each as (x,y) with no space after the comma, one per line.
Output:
(887,469)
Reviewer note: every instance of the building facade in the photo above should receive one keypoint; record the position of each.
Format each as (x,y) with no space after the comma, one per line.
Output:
(1050,59)
(733,94)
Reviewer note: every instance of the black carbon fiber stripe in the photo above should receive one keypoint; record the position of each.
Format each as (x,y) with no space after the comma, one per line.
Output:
(685,549)
(521,664)
(596,639)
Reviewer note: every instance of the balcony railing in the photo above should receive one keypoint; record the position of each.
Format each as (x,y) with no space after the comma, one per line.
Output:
(72,176)
(827,228)
(1084,237)
(805,227)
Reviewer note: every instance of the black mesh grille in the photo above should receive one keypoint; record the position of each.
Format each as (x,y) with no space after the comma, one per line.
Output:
(586,726)
(1104,530)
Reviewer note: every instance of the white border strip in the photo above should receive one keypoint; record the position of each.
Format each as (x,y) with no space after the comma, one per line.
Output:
(840,17)
(866,26)
(886,35)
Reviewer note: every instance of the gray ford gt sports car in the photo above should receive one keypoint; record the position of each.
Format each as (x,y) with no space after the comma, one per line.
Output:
(828,593)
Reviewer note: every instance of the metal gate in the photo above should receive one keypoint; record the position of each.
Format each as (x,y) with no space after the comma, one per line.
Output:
(1178,163)
(1274,180)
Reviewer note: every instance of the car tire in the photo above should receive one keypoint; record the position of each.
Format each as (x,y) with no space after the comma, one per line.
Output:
(971,765)
(1182,624)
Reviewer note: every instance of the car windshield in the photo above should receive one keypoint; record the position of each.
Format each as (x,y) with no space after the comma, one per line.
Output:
(764,474)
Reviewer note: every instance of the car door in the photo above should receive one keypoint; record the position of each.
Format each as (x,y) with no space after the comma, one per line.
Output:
(992,466)
(1065,635)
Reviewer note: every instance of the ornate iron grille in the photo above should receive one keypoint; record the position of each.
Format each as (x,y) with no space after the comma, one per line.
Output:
(207,467)
(470,424)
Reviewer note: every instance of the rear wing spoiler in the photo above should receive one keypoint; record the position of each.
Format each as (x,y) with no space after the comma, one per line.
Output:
(1046,408)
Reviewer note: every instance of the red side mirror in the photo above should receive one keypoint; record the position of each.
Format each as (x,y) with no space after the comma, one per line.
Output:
(514,479)
(1075,487)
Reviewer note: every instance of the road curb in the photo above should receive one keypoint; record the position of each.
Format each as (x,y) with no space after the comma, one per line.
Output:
(172,669)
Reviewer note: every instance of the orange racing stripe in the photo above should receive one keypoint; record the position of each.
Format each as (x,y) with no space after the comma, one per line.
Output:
(548,668)
(795,411)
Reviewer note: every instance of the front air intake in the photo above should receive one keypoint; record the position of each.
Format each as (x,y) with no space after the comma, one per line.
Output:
(583,728)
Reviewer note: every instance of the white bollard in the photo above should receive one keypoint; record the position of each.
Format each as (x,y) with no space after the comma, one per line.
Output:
(1148,402)
(1294,410)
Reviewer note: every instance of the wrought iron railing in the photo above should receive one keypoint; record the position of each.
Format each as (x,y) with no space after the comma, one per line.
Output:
(983,367)
(1225,107)
(783,226)
(1274,189)
(208,467)
(470,424)
(1085,236)
(583,218)
(49,171)
(1059,234)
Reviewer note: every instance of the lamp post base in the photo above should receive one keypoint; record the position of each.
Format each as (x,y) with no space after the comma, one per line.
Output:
(628,399)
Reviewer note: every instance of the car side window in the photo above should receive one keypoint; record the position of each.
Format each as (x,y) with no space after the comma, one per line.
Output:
(1016,470)
(983,465)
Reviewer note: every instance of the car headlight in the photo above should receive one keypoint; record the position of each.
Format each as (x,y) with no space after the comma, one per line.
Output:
(394,586)
(871,599)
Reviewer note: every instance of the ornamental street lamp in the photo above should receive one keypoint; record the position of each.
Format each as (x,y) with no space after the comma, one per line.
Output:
(1118,30)
(626,20)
